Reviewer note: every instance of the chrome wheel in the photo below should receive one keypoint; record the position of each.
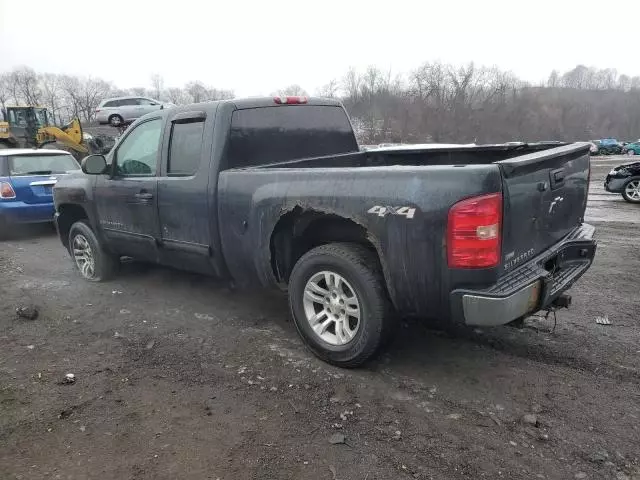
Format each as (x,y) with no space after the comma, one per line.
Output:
(115,120)
(631,152)
(83,255)
(633,190)
(332,308)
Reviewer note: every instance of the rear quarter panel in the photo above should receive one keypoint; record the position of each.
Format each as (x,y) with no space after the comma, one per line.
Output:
(411,250)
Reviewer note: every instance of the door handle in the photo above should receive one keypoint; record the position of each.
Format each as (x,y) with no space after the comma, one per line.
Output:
(144,196)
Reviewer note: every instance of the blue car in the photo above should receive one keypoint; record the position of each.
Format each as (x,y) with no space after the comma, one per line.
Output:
(27,177)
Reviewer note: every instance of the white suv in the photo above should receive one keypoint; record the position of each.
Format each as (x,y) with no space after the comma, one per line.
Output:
(117,111)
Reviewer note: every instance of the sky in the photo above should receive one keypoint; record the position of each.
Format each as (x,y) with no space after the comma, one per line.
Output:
(257,47)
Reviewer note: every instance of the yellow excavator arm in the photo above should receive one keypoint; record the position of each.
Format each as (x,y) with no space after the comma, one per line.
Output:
(70,135)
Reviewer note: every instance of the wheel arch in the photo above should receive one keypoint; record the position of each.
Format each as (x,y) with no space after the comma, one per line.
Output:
(301,230)
(68,214)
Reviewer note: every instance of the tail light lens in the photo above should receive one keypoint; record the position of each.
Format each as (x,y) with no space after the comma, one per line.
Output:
(474,232)
(6,190)
(290,100)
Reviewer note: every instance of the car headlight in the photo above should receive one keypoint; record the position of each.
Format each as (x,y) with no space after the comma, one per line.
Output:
(613,172)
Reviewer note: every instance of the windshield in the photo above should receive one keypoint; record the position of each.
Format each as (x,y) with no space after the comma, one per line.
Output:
(41,117)
(41,164)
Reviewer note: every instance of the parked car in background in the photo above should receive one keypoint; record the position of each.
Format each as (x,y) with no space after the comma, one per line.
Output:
(609,146)
(27,177)
(116,111)
(625,179)
(632,148)
(276,192)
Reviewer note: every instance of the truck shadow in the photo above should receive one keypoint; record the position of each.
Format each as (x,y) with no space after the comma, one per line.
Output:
(420,349)
(28,232)
(462,350)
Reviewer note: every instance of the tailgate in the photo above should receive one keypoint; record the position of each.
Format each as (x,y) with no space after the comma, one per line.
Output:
(545,196)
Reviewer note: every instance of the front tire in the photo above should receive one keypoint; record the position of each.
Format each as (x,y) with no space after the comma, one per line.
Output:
(92,261)
(631,191)
(339,303)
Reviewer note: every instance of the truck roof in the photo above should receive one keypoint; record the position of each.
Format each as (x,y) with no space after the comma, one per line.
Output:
(253,102)
(257,102)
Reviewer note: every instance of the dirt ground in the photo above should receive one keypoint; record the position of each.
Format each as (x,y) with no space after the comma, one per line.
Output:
(177,377)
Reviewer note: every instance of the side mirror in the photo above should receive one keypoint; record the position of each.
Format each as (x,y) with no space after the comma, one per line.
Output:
(94,165)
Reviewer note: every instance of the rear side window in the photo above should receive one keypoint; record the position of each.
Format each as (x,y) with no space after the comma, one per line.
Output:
(261,136)
(185,148)
(112,103)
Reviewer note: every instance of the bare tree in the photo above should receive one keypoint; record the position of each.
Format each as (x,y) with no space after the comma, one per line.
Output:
(329,90)
(197,90)
(436,102)
(177,96)
(84,95)
(138,91)
(293,90)
(351,84)
(5,91)
(157,85)
(219,94)
(26,85)
(51,87)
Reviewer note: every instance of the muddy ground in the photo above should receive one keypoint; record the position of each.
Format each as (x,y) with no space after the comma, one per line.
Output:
(177,377)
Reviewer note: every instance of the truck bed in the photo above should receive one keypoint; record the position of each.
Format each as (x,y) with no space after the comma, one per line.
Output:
(419,155)
(364,187)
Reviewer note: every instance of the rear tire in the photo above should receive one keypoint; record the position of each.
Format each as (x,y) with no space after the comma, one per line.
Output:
(631,191)
(340,337)
(93,262)
(631,152)
(116,120)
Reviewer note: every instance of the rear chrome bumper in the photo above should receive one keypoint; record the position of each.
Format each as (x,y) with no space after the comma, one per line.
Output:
(531,287)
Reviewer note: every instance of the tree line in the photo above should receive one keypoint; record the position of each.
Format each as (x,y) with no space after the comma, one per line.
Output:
(436,102)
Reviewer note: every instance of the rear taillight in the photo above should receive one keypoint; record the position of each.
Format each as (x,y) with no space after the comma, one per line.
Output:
(474,232)
(290,100)
(6,190)
(97,110)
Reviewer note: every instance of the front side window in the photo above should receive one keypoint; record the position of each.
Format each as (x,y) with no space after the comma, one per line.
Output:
(185,148)
(138,153)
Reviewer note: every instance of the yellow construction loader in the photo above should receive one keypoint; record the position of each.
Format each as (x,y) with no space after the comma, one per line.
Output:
(32,127)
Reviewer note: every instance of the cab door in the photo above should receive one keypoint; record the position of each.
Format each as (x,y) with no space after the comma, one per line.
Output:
(184,202)
(127,201)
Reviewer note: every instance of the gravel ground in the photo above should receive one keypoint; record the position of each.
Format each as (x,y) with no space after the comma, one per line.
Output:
(177,377)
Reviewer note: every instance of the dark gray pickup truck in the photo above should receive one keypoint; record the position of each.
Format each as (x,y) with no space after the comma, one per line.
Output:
(276,192)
